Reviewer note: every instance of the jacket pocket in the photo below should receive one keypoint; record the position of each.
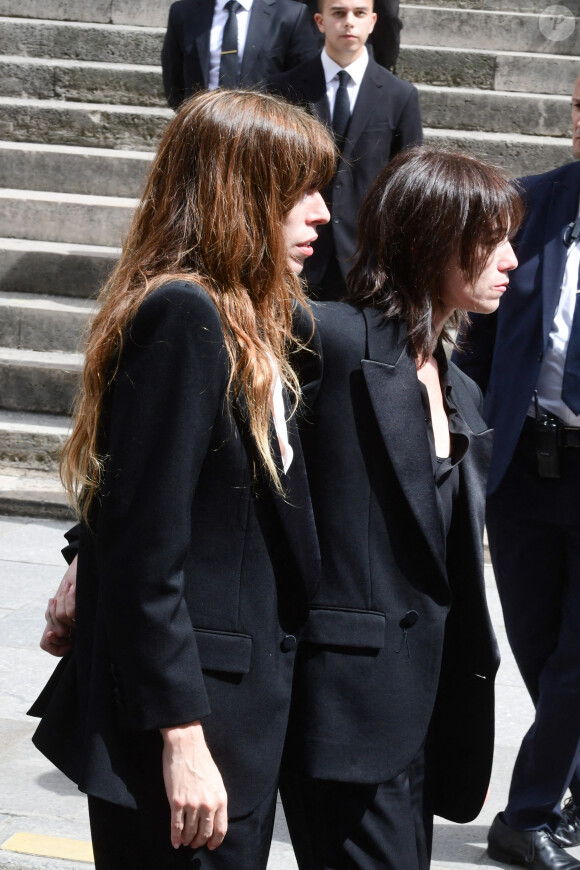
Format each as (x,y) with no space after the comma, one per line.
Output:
(337,626)
(224,651)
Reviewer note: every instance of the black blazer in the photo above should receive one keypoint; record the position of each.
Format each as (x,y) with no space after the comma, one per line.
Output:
(281,34)
(504,351)
(189,578)
(399,646)
(385,119)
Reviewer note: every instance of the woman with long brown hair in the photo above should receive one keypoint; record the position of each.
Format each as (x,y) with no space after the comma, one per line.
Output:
(197,549)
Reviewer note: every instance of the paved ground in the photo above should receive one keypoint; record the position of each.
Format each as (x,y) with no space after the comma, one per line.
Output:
(37,800)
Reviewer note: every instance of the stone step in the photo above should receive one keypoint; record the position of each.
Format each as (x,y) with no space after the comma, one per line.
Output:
(117,55)
(518,155)
(140,85)
(497,5)
(44,383)
(482,28)
(32,441)
(80,270)
(152,13)
(43,323)
(78,81)
(33,494)
(495,111)
(73,169)
(490,70)
(521,24)
(54,268)
(95,125)
(64,217)
(75,40)
(126,127)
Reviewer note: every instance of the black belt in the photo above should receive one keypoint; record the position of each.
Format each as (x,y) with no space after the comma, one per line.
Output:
(568,436)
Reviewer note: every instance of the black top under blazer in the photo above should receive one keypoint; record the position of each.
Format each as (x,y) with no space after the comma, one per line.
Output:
(385,119)
(192,578)
(399,647)
(281,34)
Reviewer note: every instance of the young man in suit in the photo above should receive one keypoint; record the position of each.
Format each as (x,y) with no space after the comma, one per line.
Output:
(229,44)
(532,349)
(374,116)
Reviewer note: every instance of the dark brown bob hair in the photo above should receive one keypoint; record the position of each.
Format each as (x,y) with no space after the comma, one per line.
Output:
(427,206)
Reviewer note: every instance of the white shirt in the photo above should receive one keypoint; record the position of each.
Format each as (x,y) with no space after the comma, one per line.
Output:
(279,417)
(220,16)
(356,71)
(552,371)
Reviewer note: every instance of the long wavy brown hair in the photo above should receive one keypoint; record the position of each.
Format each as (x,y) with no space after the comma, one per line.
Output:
(426,207)
(229,168)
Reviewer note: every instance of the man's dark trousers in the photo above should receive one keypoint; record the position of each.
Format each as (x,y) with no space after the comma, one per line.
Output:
(534,535)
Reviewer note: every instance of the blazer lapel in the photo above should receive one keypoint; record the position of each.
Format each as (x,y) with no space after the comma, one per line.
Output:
(294,507)
(369,96)
(562,209)
(262,19)
(474,469)
(204,14)
(393,387)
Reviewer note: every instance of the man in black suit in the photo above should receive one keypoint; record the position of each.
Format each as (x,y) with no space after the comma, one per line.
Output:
(532,348)
(231,43)
(374,116)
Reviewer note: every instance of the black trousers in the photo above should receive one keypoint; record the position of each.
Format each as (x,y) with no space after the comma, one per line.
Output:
(534,536)
(125,839)
(347,826)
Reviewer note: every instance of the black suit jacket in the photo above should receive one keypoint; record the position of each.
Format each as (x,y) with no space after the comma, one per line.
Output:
(281,35)
(189,577)
(373,681)
(385,119)
(504,351)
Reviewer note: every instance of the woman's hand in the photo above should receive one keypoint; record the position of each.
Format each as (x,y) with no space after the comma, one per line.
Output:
(57,638)
(194,787)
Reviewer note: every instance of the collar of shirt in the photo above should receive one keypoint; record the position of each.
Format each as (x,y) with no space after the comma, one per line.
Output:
(220,16)
(356,71)
(221,5)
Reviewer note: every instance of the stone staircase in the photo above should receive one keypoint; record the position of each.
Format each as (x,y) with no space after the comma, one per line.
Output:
(81,109)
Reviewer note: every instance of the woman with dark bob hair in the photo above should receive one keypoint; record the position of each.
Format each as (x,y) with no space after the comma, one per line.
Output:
(392,713)
(197,549)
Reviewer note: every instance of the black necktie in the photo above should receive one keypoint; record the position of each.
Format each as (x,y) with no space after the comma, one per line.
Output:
(341,114)
(229,54)
(571,379)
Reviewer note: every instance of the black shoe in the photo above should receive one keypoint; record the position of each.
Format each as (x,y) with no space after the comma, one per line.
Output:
(568,831)
(534,849)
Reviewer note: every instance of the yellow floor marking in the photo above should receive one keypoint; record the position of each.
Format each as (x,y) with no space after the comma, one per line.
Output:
(50,847)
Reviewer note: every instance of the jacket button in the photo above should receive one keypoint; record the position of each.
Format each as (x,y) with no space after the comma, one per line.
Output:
(336,221)
(288,643)
(409,619)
